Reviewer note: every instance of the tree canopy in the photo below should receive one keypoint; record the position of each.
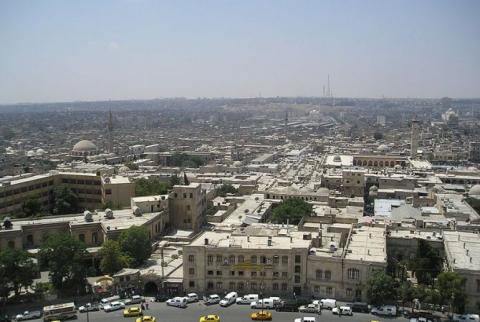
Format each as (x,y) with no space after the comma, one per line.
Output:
(113,258)
(64,201)
(224,189)
(31,207)
(381,289)
(293,209)
(64,257)
(135,243)
(17,269)
(185,161)
(451,287)
(427,263)
(149,187)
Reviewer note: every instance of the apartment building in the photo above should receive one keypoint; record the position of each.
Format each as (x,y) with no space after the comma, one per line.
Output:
(187,206)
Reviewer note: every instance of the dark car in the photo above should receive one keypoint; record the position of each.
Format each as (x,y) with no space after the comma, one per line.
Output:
(290,306)
(161,298)
(359,307)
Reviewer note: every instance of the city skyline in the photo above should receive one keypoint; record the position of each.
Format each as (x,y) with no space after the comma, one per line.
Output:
(89,51)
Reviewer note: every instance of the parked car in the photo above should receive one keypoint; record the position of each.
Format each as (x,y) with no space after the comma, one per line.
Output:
(310,308)
(342,310)
(386,310)
(28,315)
(89,307)
(263,304)
(247,299)
(136,299)
(328,303)
(359,307)
(114,306)
(210,318)
(177,302)
(306,319)
(212,299)
(291,305)
(161,298)
(261,316)
(146,318)
(192,297)
(229,299)
(132,311)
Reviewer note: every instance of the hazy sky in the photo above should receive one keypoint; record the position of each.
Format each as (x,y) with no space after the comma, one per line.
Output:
(95,50)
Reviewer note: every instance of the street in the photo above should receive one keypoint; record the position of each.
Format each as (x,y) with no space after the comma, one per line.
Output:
(233,313)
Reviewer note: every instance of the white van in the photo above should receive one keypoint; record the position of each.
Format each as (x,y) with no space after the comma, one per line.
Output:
(328,303)
(177,302)
(247,299)
(263,303)
(229,299)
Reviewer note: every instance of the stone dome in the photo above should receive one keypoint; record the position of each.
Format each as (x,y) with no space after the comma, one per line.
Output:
(474,191)
(84,146)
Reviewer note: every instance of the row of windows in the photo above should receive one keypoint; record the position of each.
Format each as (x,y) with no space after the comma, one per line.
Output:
(21,199)
(329,291)
(254,259)
(352,274)
(191,271)
(253,286)
(184,195)
(87,191)
(281,197)
(25,189)
(94,238)
(80,181)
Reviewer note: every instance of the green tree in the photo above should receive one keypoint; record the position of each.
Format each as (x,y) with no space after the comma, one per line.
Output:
(406,292)
(135,243)
(174,180)
(31,207)
(16,268)
(226,188)
(293,209)
(184,160)
(64,256)
(381,289)
(451,288)
(113,259)
(427,264)
(149,187)
(64,201)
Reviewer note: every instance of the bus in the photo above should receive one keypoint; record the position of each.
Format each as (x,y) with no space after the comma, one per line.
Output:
(59,312)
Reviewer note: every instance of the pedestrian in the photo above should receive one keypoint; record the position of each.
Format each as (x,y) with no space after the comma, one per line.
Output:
(142,306)
(146,305)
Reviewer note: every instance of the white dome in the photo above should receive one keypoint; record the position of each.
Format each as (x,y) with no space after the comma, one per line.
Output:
(474,191)
(40,152)
(30,153)
(84,146)
(383,147)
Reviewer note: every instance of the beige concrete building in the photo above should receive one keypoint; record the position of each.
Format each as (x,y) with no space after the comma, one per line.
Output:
(353,181)
(187,206)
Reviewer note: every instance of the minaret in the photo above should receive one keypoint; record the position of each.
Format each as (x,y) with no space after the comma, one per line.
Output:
(110,132)
(414,138)
(286,126)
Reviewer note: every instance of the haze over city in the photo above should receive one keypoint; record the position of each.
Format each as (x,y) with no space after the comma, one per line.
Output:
(140,49)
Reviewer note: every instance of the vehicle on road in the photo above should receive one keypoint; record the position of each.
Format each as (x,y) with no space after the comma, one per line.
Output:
(109,300)
(342,310)
(114,306)
(291,305)
(89,307)
(210,318)
(178,302)
(359,307)
(59,311)
(229,299)
(267,303)
(306,319)
(328,303)
(466,318)
(310,308)
(136,299)
(161,298)
(28,315)
(146,318)
(212,299)
(247,299)
(192,297)
(386,310)
(132,311)
(261,316)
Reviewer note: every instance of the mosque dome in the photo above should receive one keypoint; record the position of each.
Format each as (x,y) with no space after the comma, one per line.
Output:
(383,147)
(40,152)
(30,153)
(475,191)
(84,146)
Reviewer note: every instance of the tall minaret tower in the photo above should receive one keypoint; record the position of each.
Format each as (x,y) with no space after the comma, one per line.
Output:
(110,132)
(414,138)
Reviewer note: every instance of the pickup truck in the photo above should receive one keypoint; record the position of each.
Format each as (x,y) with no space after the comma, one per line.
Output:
(28,315)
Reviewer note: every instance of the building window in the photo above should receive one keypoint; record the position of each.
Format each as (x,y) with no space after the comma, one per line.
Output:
(358,293)
(188,207)
(191,284)
(297,278)
(231,259)
(191,195)
(219,273)
(284,286)
(11,244)
(285,274)
(232,273)
(263,274)
(219,285)
(231,286)
(318,274)
(108,191)
(353,274)
(349,292)
(240,286)
(175,195)
(276,274)
(210,273)
(253,259)
(209,285)
(81,237)
(328,275)
(94,238)
(30,240)
(263,259)
(240,273)
(276,259)
(253,286)
(210,259)
(191,271)
(253,274)
(298,259)
(316,289)
(275,286)
(219,259)
(284,259)
(297,269)
(241,259)
(191,258)
(329,291)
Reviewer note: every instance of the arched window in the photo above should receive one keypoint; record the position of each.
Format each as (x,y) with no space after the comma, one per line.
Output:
(241,259)
(328,275)
(30,240)
(353,274)
(375,163)
(253,259)
(318,274)
(231,259)
(81,237)
(370,163)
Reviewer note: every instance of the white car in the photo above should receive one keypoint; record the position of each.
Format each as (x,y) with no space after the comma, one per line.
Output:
(191,297)
(310,308)
(136,299)
(229,299)
(343,310)
(177,302)
(306,319)
(114,306)
(212,299)
(247,299)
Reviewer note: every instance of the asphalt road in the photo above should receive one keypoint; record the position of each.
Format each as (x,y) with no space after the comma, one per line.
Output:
(234,313)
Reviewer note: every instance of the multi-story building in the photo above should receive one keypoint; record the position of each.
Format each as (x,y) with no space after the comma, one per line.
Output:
(353,181)
(187,206)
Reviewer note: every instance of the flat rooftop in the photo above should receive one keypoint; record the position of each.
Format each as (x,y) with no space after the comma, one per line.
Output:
(367,244)
(462,250)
